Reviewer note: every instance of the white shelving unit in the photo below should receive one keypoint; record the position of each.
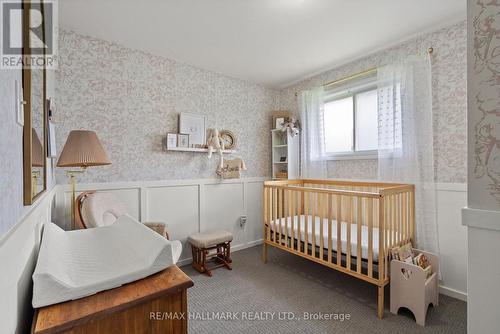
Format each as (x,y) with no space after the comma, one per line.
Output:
(285,146)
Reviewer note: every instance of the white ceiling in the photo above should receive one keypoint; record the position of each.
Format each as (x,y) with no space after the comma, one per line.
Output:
(271,42)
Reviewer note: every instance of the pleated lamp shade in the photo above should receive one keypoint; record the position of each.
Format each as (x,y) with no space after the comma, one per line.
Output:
(36,150)
(83,149)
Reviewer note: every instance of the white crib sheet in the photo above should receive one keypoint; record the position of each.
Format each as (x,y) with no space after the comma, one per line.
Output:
(79,263)
(354,234)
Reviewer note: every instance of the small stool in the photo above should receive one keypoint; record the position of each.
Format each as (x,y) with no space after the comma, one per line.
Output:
(203,243)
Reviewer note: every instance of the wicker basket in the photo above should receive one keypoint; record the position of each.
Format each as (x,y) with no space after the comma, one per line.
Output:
(282,175)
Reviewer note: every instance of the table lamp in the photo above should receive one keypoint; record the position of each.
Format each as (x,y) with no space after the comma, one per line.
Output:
(82,149)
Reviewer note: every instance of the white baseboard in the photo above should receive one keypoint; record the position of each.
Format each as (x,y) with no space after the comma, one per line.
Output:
(453,293)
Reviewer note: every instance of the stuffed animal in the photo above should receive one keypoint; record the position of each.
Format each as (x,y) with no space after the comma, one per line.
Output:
(215,143)
(292,125)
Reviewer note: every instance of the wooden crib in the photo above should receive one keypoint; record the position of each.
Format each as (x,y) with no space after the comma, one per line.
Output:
(300,216)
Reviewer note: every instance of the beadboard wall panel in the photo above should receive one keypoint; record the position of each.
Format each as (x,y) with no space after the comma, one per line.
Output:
(187,206)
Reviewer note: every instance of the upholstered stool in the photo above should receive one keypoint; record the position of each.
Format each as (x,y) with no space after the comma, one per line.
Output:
(214,246)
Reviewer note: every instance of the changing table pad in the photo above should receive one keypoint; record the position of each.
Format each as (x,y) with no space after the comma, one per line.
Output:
(75,264)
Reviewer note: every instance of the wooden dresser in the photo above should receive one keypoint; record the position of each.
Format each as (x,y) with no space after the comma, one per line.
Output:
(155,304)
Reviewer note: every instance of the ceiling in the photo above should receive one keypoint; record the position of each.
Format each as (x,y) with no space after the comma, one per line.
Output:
(270,42)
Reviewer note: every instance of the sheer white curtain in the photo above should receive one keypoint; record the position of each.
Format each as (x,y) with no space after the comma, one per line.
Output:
(312,161)
(406,152)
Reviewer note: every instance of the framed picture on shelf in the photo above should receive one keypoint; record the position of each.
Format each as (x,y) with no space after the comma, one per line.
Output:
(183,140)
(171,140)
(279,122)
(194,126)
(282,159)
(280,114)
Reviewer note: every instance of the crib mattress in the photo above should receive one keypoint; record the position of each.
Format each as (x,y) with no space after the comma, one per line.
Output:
(344,226)
(75,264)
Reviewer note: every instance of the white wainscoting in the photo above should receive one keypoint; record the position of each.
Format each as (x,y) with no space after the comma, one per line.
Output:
(18,255)
(187,206)
(451,198)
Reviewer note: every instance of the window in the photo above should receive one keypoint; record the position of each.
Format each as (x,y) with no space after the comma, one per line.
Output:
(351,123)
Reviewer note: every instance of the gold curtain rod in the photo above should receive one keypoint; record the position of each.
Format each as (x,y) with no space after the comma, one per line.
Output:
(350,77)
(356,75)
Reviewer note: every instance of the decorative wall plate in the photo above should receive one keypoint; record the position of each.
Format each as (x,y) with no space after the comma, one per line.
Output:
(229,139)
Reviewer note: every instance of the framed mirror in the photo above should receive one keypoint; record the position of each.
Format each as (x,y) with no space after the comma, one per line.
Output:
(35,113)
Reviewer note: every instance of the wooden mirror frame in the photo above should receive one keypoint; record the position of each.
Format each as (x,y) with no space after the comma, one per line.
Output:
(28,197)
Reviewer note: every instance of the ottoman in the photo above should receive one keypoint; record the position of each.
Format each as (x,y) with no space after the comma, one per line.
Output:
(211,250)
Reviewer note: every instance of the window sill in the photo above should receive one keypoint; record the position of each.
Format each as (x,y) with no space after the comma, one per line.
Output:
(371,155)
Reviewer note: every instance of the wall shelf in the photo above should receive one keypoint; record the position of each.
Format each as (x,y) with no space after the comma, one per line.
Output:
(195,149)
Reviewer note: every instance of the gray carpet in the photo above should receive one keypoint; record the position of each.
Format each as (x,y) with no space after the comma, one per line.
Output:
(288,283)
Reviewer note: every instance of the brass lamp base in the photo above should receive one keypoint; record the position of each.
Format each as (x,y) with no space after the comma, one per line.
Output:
(72,177)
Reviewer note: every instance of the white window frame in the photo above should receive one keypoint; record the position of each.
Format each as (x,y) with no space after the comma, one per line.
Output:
(352,155)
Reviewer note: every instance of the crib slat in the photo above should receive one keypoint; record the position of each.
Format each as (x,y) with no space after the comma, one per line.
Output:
(269,204)
(306,224)
(412,215)
(394,223)
(405,217)
(266,210)
(391,221)
(321,225)
(359,222)
(313,223)
(300,206)
(388,238)
(271,211)
(349,226)
(395,203)
(381,238)
(275,212)
(293,215)
(280,213)
(399,219)
(388,221)
(370,237)
(286,215)
(338,217)
(403,221)
(330,215)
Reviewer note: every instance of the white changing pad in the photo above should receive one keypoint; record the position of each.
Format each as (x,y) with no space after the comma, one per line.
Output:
(79,263)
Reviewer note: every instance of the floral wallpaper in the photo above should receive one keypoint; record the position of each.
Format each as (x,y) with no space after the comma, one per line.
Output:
(132,99)
(449,66)
(484,99)
(11,150)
